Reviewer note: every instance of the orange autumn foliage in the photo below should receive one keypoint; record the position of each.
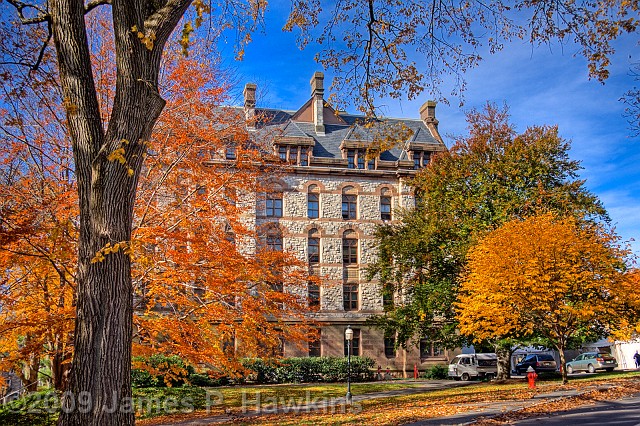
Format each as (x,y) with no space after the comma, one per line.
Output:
(548,277)
(203,275)
(197,289)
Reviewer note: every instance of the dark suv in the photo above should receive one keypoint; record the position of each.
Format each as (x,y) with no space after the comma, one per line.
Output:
(539,362)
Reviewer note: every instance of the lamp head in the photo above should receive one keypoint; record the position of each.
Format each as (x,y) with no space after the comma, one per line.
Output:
(348,333)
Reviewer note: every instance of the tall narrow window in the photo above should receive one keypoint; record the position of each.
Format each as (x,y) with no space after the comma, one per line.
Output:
(313,202)
(282,152)
(351,158)
(350,296)
(313,246)
(349,203)
(387,297)
(274,205)
(385,205)
(230,152)
(313,294)
(390,347)
(361,159)
(355,343)
(371,164)
(349,248)
(314,345)
(304,156)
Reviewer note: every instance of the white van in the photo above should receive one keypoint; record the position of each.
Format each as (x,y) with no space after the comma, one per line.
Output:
(472,366)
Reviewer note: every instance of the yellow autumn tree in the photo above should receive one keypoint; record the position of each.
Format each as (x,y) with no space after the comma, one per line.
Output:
(547,277)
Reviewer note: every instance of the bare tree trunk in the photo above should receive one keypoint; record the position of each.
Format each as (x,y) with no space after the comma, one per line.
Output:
(100,377)
(563,364)
(33,368)
(504,361)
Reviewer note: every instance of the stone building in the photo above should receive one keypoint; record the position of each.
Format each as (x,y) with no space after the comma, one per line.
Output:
(327,205)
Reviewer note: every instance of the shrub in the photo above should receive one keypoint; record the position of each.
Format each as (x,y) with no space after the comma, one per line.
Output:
(309,369)
(437,372)
(34,409)
(160,371)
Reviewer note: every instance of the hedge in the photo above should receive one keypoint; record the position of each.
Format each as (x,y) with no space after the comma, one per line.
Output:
(309,369)
(172,371)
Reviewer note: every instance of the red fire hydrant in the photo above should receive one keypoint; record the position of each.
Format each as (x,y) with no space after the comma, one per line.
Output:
(531,377)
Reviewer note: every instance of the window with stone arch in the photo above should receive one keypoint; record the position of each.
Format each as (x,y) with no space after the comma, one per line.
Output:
(313,202)
(349,247)
(349,203)
(385,204)
(313,245)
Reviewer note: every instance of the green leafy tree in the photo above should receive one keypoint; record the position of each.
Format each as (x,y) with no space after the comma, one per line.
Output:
(487,178)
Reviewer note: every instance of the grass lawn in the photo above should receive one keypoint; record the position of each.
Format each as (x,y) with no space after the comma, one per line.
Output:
(154,405)
(409,408)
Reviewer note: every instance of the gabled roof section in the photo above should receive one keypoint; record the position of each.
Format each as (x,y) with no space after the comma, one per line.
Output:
(305,114)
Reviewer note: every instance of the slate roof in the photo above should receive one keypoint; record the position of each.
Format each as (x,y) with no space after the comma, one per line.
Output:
(328,145)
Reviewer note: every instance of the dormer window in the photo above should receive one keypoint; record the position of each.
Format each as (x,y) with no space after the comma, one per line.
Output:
(357,159)
(421,159)
(351,158)
(294,154)
(282,152)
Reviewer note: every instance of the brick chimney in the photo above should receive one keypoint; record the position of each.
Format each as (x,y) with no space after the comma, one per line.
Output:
(428,113)
(317,99)
(428,116)
(249,94)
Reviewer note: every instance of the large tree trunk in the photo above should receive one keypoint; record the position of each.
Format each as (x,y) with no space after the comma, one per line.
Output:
(100,375)
(503,353)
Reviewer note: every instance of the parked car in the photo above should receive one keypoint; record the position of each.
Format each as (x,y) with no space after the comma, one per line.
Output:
(592,361)
(470,366)
(540,362)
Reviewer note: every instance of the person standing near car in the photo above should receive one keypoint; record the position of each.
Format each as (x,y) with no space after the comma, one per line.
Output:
(636,357)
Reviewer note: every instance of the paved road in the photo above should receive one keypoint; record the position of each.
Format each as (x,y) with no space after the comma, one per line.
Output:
(624,411)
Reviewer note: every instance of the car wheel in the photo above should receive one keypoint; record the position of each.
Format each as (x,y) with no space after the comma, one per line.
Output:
(465,377)
(591,368)
(569,369)
(489,376)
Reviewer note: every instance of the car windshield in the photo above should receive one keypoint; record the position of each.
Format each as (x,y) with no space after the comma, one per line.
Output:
(545,357)
(604,356)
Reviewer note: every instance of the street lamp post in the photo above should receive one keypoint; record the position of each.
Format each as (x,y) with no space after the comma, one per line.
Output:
(348,335)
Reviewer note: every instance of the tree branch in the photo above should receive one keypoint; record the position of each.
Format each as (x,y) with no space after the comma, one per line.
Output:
(43,16)
(95,3)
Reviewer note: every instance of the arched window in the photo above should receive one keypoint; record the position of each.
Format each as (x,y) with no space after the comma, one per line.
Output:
(313,202)
(385,204)
(349,203)
(313,246)
(349,247)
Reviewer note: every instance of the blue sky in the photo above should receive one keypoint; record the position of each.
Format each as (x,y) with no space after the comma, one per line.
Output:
(545,85)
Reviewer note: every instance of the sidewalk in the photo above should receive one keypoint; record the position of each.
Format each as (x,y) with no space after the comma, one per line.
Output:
(491,409)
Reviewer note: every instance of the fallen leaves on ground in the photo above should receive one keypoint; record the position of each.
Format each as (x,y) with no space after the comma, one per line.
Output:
(611,390)
(434,404)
